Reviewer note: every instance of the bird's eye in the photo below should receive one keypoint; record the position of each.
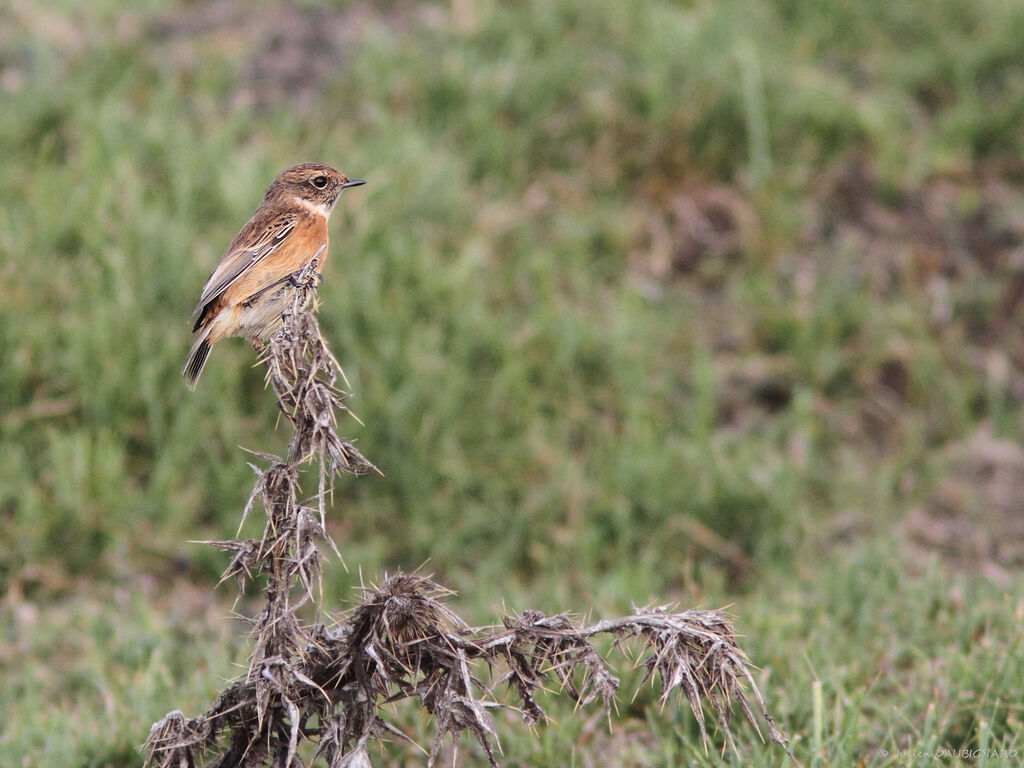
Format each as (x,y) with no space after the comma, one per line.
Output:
(320,182)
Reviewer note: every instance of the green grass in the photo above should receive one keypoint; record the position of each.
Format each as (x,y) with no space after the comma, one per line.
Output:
(555,407)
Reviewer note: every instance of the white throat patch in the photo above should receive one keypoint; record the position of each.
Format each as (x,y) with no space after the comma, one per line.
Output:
(322,208)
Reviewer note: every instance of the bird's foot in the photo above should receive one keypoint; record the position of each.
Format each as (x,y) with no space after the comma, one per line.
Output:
(297,281)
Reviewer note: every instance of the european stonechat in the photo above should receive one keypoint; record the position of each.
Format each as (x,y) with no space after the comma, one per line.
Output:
(252,285)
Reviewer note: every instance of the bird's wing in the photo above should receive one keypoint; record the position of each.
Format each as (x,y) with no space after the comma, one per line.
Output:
(248,250)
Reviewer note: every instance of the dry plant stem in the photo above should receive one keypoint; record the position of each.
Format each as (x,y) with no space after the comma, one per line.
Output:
(330,685)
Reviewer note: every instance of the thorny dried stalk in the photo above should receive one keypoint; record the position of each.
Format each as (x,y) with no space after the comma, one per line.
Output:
(330,684)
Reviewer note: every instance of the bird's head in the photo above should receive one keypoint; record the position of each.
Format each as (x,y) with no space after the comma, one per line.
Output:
(310,184)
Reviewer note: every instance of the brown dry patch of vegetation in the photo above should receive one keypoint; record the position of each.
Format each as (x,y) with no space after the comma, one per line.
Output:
(289,52)
(974,518)
(946,229)
(951,240)
(695,231)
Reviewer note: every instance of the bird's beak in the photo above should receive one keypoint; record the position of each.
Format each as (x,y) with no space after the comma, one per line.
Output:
(352,183)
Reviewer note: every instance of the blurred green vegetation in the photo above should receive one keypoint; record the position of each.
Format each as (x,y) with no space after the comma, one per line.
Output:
(649,301)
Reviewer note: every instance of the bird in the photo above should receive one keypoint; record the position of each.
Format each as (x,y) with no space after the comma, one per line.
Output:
(255,279)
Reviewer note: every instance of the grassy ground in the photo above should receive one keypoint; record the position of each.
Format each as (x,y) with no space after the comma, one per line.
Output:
(644,302)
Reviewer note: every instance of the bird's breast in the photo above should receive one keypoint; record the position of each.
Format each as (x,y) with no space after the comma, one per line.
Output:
(303,243)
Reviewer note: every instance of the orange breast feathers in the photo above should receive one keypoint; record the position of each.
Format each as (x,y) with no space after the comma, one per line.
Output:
(263,255)
(295,251)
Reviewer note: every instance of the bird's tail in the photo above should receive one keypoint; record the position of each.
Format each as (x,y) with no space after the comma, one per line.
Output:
(197,358)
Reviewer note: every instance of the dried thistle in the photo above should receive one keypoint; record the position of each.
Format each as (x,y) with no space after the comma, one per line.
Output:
(331,685)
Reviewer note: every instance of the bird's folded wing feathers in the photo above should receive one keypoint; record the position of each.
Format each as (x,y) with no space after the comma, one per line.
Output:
(243,257)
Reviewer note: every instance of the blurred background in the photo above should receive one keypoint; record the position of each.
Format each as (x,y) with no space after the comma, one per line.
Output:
(715,303)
